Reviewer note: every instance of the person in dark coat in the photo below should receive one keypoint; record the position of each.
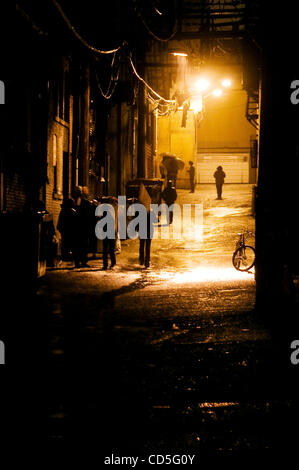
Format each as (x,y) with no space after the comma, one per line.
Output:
(219,176)
(66,226)
(93,241)
(145,243)
(145,239)
(109,244)
(48,239)
(169,195)
(81,233)
(191,172)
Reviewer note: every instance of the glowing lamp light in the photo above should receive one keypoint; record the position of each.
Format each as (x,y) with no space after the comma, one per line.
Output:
(217,92)
(226,82)
(202,84)
(180,54)
(196,105)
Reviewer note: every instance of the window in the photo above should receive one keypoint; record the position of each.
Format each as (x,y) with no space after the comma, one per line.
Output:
(57,159)
(61,92)
(54,154)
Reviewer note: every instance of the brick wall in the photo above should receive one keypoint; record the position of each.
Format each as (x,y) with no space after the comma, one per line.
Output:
(15,197)
(54,196)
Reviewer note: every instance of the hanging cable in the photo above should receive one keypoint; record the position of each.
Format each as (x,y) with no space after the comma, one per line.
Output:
(163,109)
(78,36)
(147,85)
(113,81)
(153,34)
(138,13)
(33,25)
(109,91)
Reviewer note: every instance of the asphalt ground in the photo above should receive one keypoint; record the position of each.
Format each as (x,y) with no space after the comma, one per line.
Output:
(172,359)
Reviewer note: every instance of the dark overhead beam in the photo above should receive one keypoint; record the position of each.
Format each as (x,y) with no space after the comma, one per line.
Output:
(159,64)
(210,34)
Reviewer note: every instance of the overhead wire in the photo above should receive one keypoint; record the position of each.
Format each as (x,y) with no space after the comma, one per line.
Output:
(113,81)
(109,92)
(78,36)
(147,85)
(34,26)
(158,103)
(154,35)
(151,32)
(163,109)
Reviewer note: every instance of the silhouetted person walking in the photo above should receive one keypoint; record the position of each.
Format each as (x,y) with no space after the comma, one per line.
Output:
(145,243)
(169,195)
(145,238)
(219,176)
(191,172)
(110,243)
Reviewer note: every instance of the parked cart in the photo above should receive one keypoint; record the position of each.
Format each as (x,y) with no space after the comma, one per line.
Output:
(153,186)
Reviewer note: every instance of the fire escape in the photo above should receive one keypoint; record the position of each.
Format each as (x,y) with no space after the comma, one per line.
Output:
(252,108)
(219,24)
(209,28)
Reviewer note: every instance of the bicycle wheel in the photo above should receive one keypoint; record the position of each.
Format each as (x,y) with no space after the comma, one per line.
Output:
(244,258)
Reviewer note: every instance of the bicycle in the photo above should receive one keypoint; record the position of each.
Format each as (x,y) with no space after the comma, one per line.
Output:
(244,255)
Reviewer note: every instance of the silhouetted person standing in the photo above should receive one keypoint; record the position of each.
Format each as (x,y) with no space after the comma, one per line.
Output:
(66,226)
(191,172)
(219,176)
(82,207)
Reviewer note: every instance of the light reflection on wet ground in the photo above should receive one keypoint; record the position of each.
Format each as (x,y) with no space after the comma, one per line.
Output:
(174,350)
(205,274)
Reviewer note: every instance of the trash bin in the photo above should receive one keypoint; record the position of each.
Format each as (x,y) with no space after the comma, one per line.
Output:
(153,186)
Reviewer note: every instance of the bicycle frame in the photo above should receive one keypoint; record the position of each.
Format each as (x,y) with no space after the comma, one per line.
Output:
(241,241)
(240,254)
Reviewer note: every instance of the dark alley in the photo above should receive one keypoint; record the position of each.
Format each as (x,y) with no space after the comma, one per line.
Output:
(149,163)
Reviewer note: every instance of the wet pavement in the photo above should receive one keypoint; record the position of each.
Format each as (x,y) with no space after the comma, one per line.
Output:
(172,359)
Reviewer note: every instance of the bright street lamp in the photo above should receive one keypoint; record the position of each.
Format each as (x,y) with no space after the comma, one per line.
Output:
(202,84)
(217,92)
(196,105)
(226,82)
(179,54)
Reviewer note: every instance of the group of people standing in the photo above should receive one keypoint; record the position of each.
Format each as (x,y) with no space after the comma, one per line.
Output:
(76,222)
